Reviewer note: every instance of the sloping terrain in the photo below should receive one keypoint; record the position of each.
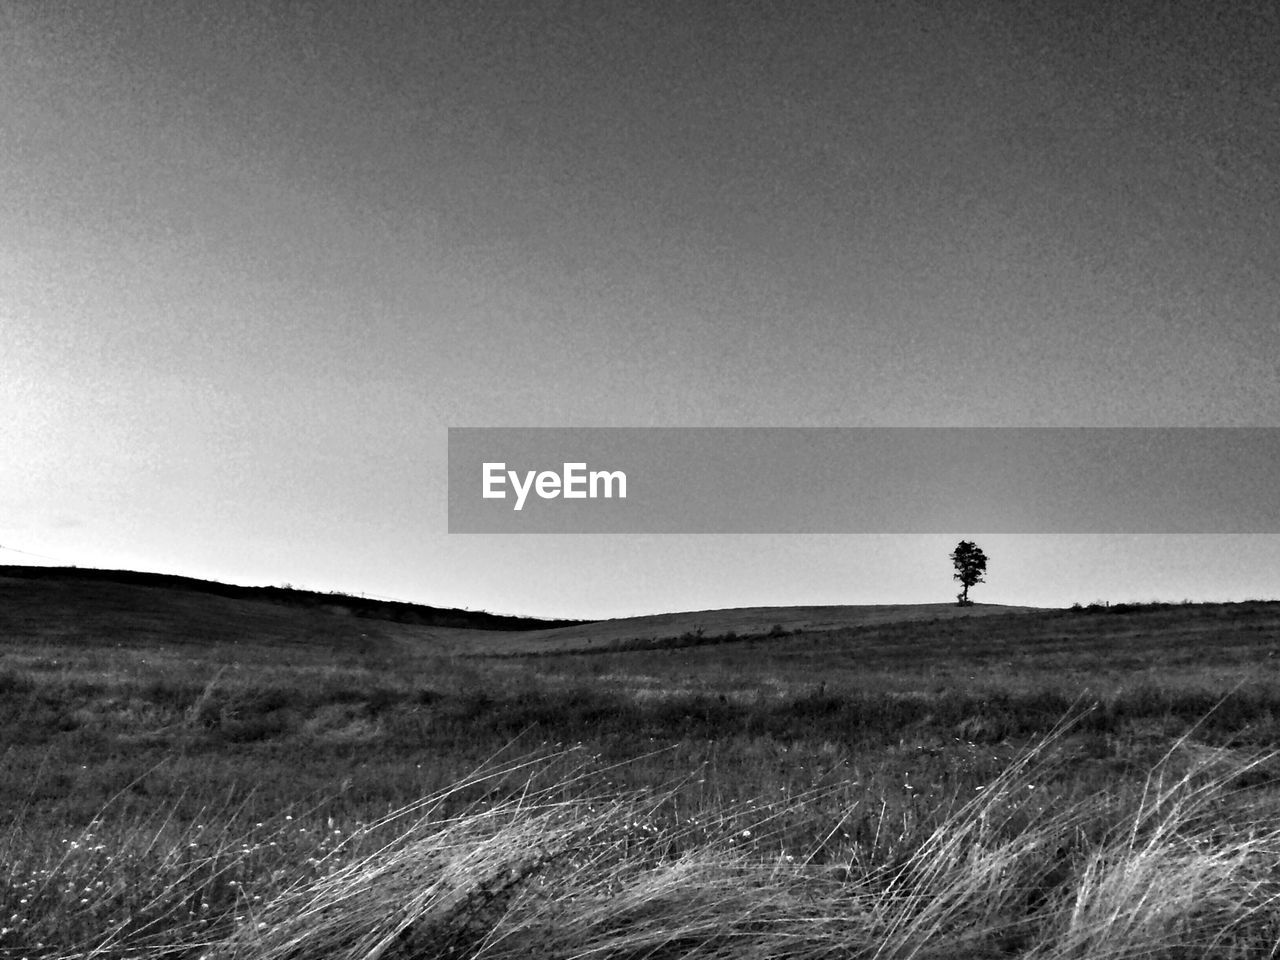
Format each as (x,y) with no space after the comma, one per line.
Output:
(634,632)
(97,614)
(172,754)
(76,611)
(360,606)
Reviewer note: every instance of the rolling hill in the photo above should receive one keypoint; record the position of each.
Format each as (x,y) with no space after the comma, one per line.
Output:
(78,607)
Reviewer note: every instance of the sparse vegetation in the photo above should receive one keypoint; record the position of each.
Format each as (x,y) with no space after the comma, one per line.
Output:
(896,790)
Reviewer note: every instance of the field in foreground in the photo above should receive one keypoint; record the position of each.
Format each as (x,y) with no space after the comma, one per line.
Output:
(900,788)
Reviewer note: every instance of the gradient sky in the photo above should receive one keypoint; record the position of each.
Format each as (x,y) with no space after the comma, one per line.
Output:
(255,257)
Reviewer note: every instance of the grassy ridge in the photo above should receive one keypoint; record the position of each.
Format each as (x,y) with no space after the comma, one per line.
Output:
(254,787)
(345,603)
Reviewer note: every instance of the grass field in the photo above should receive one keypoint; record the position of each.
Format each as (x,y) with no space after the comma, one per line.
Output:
(187,774)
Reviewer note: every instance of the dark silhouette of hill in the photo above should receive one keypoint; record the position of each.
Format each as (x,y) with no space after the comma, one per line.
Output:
(65,607)
(75,607)
(365,607)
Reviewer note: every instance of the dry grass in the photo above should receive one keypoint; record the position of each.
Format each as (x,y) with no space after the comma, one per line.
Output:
(178,786)
(1185,866)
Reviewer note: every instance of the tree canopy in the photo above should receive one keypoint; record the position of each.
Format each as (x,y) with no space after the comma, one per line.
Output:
(970,563)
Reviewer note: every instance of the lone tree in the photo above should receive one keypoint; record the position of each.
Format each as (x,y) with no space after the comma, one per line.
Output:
(971,564)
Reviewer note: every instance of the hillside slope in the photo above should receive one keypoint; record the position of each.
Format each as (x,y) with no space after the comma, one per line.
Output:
(374,608)
(742,622)
(86,611)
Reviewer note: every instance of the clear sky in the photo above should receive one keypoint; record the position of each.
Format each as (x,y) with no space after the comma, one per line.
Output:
(255,257)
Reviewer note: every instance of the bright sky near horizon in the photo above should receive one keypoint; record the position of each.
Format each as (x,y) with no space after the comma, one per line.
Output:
(256,257)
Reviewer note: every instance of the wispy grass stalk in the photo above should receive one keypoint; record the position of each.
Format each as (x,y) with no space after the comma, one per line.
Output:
(1184,867)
